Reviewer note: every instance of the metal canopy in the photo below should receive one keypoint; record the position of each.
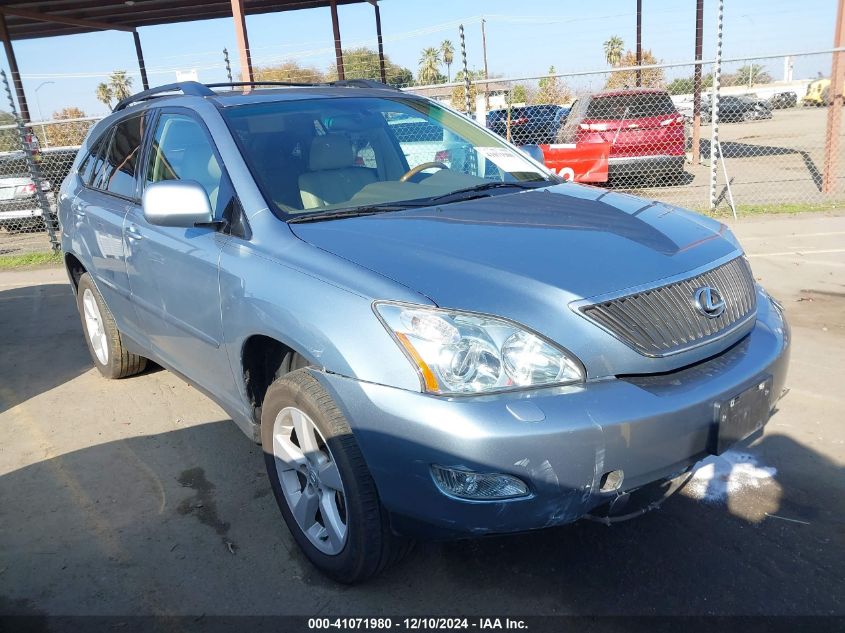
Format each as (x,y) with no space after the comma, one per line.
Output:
(26,20)
(51,18)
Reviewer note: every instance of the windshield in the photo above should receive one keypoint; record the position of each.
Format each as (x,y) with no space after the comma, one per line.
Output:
(324,155)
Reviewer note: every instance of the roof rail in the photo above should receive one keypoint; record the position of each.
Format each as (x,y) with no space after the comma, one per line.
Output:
(185,87)
(362,83)
(197,89)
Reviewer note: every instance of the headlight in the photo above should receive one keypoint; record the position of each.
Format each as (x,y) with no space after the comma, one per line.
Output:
(465,353)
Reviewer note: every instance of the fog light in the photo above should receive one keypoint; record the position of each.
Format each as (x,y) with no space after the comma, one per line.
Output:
(479,486)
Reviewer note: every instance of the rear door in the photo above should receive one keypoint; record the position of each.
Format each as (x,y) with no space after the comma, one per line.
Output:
(110,178)
(173,272)
(637,124)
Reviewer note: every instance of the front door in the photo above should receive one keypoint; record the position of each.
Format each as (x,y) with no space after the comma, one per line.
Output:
(173,272)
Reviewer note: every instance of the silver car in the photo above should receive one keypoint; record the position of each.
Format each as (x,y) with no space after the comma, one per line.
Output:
(423,349)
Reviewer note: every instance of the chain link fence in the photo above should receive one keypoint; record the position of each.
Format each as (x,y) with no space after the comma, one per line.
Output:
(625,128)
(634,129)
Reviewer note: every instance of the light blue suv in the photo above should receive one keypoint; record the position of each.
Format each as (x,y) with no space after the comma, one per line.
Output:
(429,334)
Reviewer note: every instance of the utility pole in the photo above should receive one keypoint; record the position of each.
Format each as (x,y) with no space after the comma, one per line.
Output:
(696,97)
(486,75)
(834,110)
(639,42)
(228,65)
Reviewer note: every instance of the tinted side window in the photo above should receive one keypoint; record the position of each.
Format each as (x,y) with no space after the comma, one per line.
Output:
(117,174)
(181,150)
(91,165)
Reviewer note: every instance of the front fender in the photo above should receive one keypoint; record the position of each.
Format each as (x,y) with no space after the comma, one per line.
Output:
(313,310)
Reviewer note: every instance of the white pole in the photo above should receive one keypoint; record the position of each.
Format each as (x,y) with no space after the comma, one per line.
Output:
(714,103)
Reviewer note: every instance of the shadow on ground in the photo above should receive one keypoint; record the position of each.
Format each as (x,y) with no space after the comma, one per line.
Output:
(184,522)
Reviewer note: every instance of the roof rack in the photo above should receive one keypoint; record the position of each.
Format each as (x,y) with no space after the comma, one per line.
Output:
(185,87)
(196,89)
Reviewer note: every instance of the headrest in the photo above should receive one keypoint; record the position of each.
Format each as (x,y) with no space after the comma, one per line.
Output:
(332,151)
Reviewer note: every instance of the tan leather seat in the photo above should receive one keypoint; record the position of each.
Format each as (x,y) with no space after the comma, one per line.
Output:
(333,177)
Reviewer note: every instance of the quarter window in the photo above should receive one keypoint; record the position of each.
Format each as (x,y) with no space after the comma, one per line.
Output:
(117,172)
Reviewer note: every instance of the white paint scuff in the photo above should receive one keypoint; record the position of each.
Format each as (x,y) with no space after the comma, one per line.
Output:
(718,477)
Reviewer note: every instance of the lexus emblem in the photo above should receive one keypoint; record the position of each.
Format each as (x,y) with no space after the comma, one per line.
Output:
(709,302)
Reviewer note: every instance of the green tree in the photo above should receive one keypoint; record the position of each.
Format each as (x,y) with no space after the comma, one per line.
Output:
(289,71)
(104,94)
(651,77)
(447,53)
(748,75)
(120,84)
(363,63)
(613,49)
(429,71)
(551,89)
(686,85)
(458,92)
(518,94)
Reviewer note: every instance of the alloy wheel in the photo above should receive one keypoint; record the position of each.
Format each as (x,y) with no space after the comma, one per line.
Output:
(95,327)
(310,480)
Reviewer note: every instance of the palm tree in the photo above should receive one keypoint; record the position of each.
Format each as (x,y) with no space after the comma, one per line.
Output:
(613,50)
(104,94)
(447,50)
(429,66)
(120,84)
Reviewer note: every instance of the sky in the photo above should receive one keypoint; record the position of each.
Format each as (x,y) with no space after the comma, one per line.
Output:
(64,71)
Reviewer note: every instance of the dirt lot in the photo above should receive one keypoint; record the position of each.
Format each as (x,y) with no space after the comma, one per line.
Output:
(140,497)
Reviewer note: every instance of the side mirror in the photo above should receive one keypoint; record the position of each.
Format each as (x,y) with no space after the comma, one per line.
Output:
(180,203)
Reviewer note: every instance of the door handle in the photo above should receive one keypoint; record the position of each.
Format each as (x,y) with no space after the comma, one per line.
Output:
(133,233)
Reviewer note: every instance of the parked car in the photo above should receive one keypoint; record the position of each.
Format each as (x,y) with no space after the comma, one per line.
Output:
(733,109)
(19,205)
(423,351)
(783,100)
(818,93)
(529,125)
(645,130)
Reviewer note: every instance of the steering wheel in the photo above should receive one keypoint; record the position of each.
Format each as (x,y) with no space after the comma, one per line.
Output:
(413,171)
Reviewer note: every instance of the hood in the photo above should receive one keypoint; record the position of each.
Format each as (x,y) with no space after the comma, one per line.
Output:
(581,240)
(526,256)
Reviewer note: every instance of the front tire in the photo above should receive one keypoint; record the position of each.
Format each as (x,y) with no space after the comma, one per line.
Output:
(322,484)
(101,334)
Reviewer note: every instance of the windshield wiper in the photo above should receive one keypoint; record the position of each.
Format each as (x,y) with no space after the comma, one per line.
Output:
(353,212)
(461,193)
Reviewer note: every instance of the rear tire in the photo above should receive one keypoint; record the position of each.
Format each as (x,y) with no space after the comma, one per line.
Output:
(364,545)
(101,334)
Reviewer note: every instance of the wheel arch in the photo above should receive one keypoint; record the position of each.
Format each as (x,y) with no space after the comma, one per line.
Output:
(75,269)
(263,359)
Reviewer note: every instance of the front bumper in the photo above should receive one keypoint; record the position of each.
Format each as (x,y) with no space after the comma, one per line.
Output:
(559,440)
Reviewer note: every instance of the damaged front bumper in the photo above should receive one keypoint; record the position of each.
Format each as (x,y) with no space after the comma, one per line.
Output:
(561,441)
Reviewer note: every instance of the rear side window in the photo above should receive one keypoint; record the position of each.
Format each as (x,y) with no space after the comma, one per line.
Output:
(92,163)
(632,106)
(119,168)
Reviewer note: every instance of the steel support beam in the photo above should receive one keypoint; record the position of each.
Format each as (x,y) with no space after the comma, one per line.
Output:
(380,43)
(338,48)
(242,38)
(13,66)
(61,19)
(834,110)
(639,42)
(141,66)
(696,97)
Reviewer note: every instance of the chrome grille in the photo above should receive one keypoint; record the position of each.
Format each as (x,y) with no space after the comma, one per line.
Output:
(665,320)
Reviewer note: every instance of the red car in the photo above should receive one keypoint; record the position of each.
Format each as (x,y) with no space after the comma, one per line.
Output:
(643,127)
